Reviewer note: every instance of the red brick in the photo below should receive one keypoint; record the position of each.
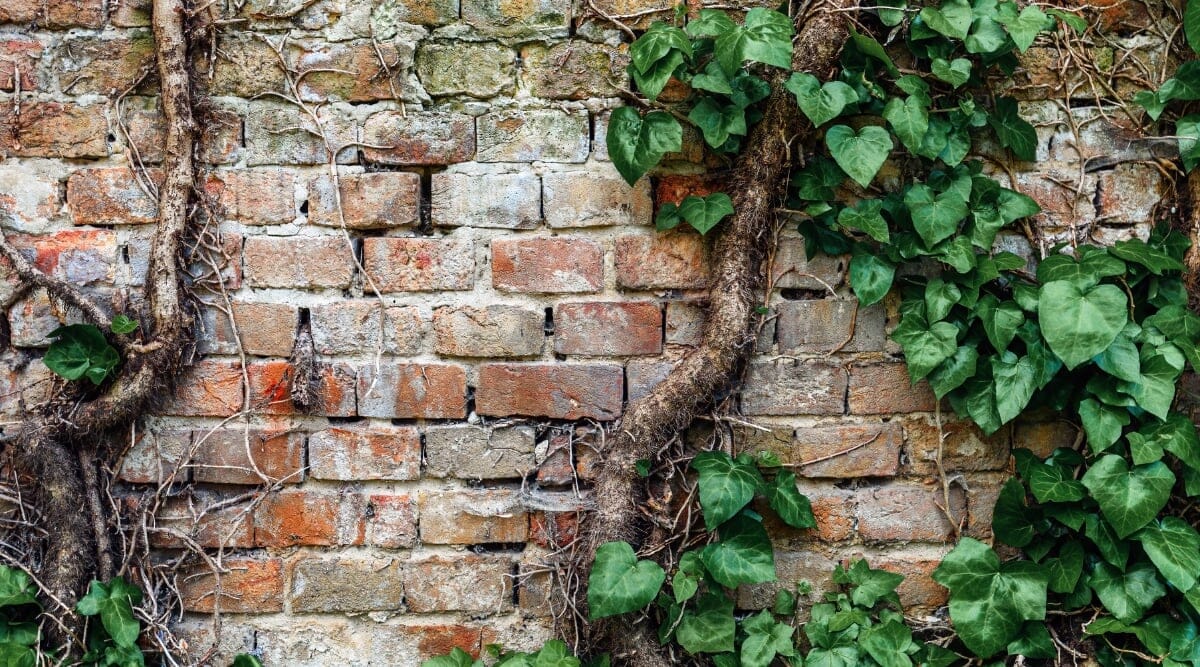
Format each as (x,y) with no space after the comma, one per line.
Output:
(254,196)
(440,640)
(105,66)
(420,265)
(109,196)
(903,512)
(352,72)
(794,388)
(79,256)
(461,583)
(155,456)
(337,386)
(19,55)
(877,389)
(56,14)
(674,188)
(608,329)
(251,586)
(392,521)
(368,201)
(558,391)
(232,455)
(553,530)
(374,452)
(53,129)
(965,447)
(406,391)
(474,516)
(416,138)
(231,527)
(548,265)
(265,329)
(300,262)
(676,260)
(918,592)
(492,331)
(302,517)
(214,388)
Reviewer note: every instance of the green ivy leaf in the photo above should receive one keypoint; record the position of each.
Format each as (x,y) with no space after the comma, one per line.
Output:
(954,72)
(668,217)
(954,371)
(16,588)
(766,37)
(712,79)
(247,660)
(990,601)
(1052,484)
(1065,569)
(940,299)
(1185,85)
(986,36)
(1000,321)
(16,655)
(871,277)
(1174,548)
(1155,390)
(1121,359)
(865,216)
(1130,594)
(1154,106)
(925,349)
(870,586)
(765,638)
(743,555)
(888,643)
(1101,423)
(114,604)
(952,19)
(1128,498)
(704,213)
(935,217)
(820,102)
(620,583)
(1072,21)
(1191,24)
(1016,380)
(1140,252)
(123,324)
(787,501)
(718,122)
(1024,27)
(1085,272)
(909,119)
(1112,548)
(637,144)
(656,55)
(726,485)
(859,154)
(1187,128)
(80,350)
(1177,434)
(870,47)
(1078,324)
(1014,132)
(686,581)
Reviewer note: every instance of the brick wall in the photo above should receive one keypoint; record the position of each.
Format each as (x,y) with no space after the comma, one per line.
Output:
(487,293)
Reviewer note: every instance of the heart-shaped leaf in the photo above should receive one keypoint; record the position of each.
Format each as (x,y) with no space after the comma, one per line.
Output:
(952,19)
(935,216)
(726,485)
(1174,548)
(619,582)
(704,213)
(636,144)
(1130,594)
(1014,132)
(1080,323)
(1129,498)
(954,72)
(1024,27)
(743,555)
(859,154)
(909,119)
(820,102)
(871,277)
(865,217)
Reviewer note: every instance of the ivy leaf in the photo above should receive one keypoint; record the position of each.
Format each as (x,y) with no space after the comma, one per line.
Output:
(1000,321)
(1033,642)
(871,277)
(1070,20)
(712,79)
(940,299)
(787,501)
(1065,569)
(817,180)
(1101,423)
(1015,381)
(1177,434)
(656,55)
(909,119)
(1155,390)
(990,601)
(687,578)
(870,585)
(637,144)
(766,37)
(1111,548)
(859,154)
(1024,27)
(765,638)
(16,588)
(247,660)
(926,349)
(954,72)
(114,604)
(1140,252)
(1187,129)
(986,36)
(1185,85)
(668,217)
(718,122)
(743,555)
(1085,272)
(709,629)
(935,217)
(820,102)
(726,485)
(652,81)
(77,349)
(1014,132)
(1013,205)
(1050,484)
(620,583)
(952,19)
(870,47)
(980,402)
(1154,106)
(123,324)
(1130,594)
(1121,359)
(887,643)
(1174,548)
(704,213)
(953,372)
(1128,498)
(1191,25)
(865,217)
(1078,324)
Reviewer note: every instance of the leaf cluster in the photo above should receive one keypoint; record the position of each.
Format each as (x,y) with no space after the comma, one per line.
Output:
(81,350)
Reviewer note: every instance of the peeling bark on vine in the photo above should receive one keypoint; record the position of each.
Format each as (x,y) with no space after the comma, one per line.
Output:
(757,183)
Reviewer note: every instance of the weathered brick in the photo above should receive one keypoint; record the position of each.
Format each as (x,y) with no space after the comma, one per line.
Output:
(372,452)
(392,521)
(109,196)
(237,456)
(78,256)
(792,270)
(347,584)
(491,331)
(548,265)
(684,323)
(303,517)
(419,12)
(821,325)
(59,14)
(214,388)
(311,261)
(358,71)
(479,70)
(542,135)
(19,56)
(265,329)
(553,530)
(130,13)
(183,522)
(464,451)
(918,592)
(29,196)
(53,129)
(417,138)
(583,200)
(155,456)
(1065,201)
(368,201)
(1128,193)
(642,375)
(840,450)
(573,70)
(558,391)
(31,319)
(420,265)
(474,516)
(246,66)
(406,391)
(791,567)
(1043,437)
(279,133)
(459,583)
(981,502)
(352,326)
(608,328)
(336,387)
(254,196)
(662,261)
(902,512)
(877,389)
(251,586)
(107,66)
(964,447)
(525,19)
(794,388)
(507,201)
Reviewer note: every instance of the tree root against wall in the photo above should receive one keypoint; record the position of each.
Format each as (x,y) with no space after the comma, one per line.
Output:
(63,447)
(650,423)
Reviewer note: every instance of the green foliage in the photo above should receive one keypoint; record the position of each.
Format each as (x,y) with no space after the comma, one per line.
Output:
(80,350)
(621,583)
(702,213)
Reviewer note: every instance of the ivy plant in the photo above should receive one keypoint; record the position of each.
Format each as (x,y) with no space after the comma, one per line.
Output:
(79,351)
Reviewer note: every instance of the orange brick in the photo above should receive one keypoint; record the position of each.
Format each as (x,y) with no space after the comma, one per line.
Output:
(553,530)
(420,265)
(608,329)
(558,391)
(547,265)
(376,452)
(254,196)
(252,586)
(368,201)
(109,196)
(229,527)
(300,262)
(677,260)
(300,517)
(53,129)
(19,56)
(885,389)
(405,391)
(233,456)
